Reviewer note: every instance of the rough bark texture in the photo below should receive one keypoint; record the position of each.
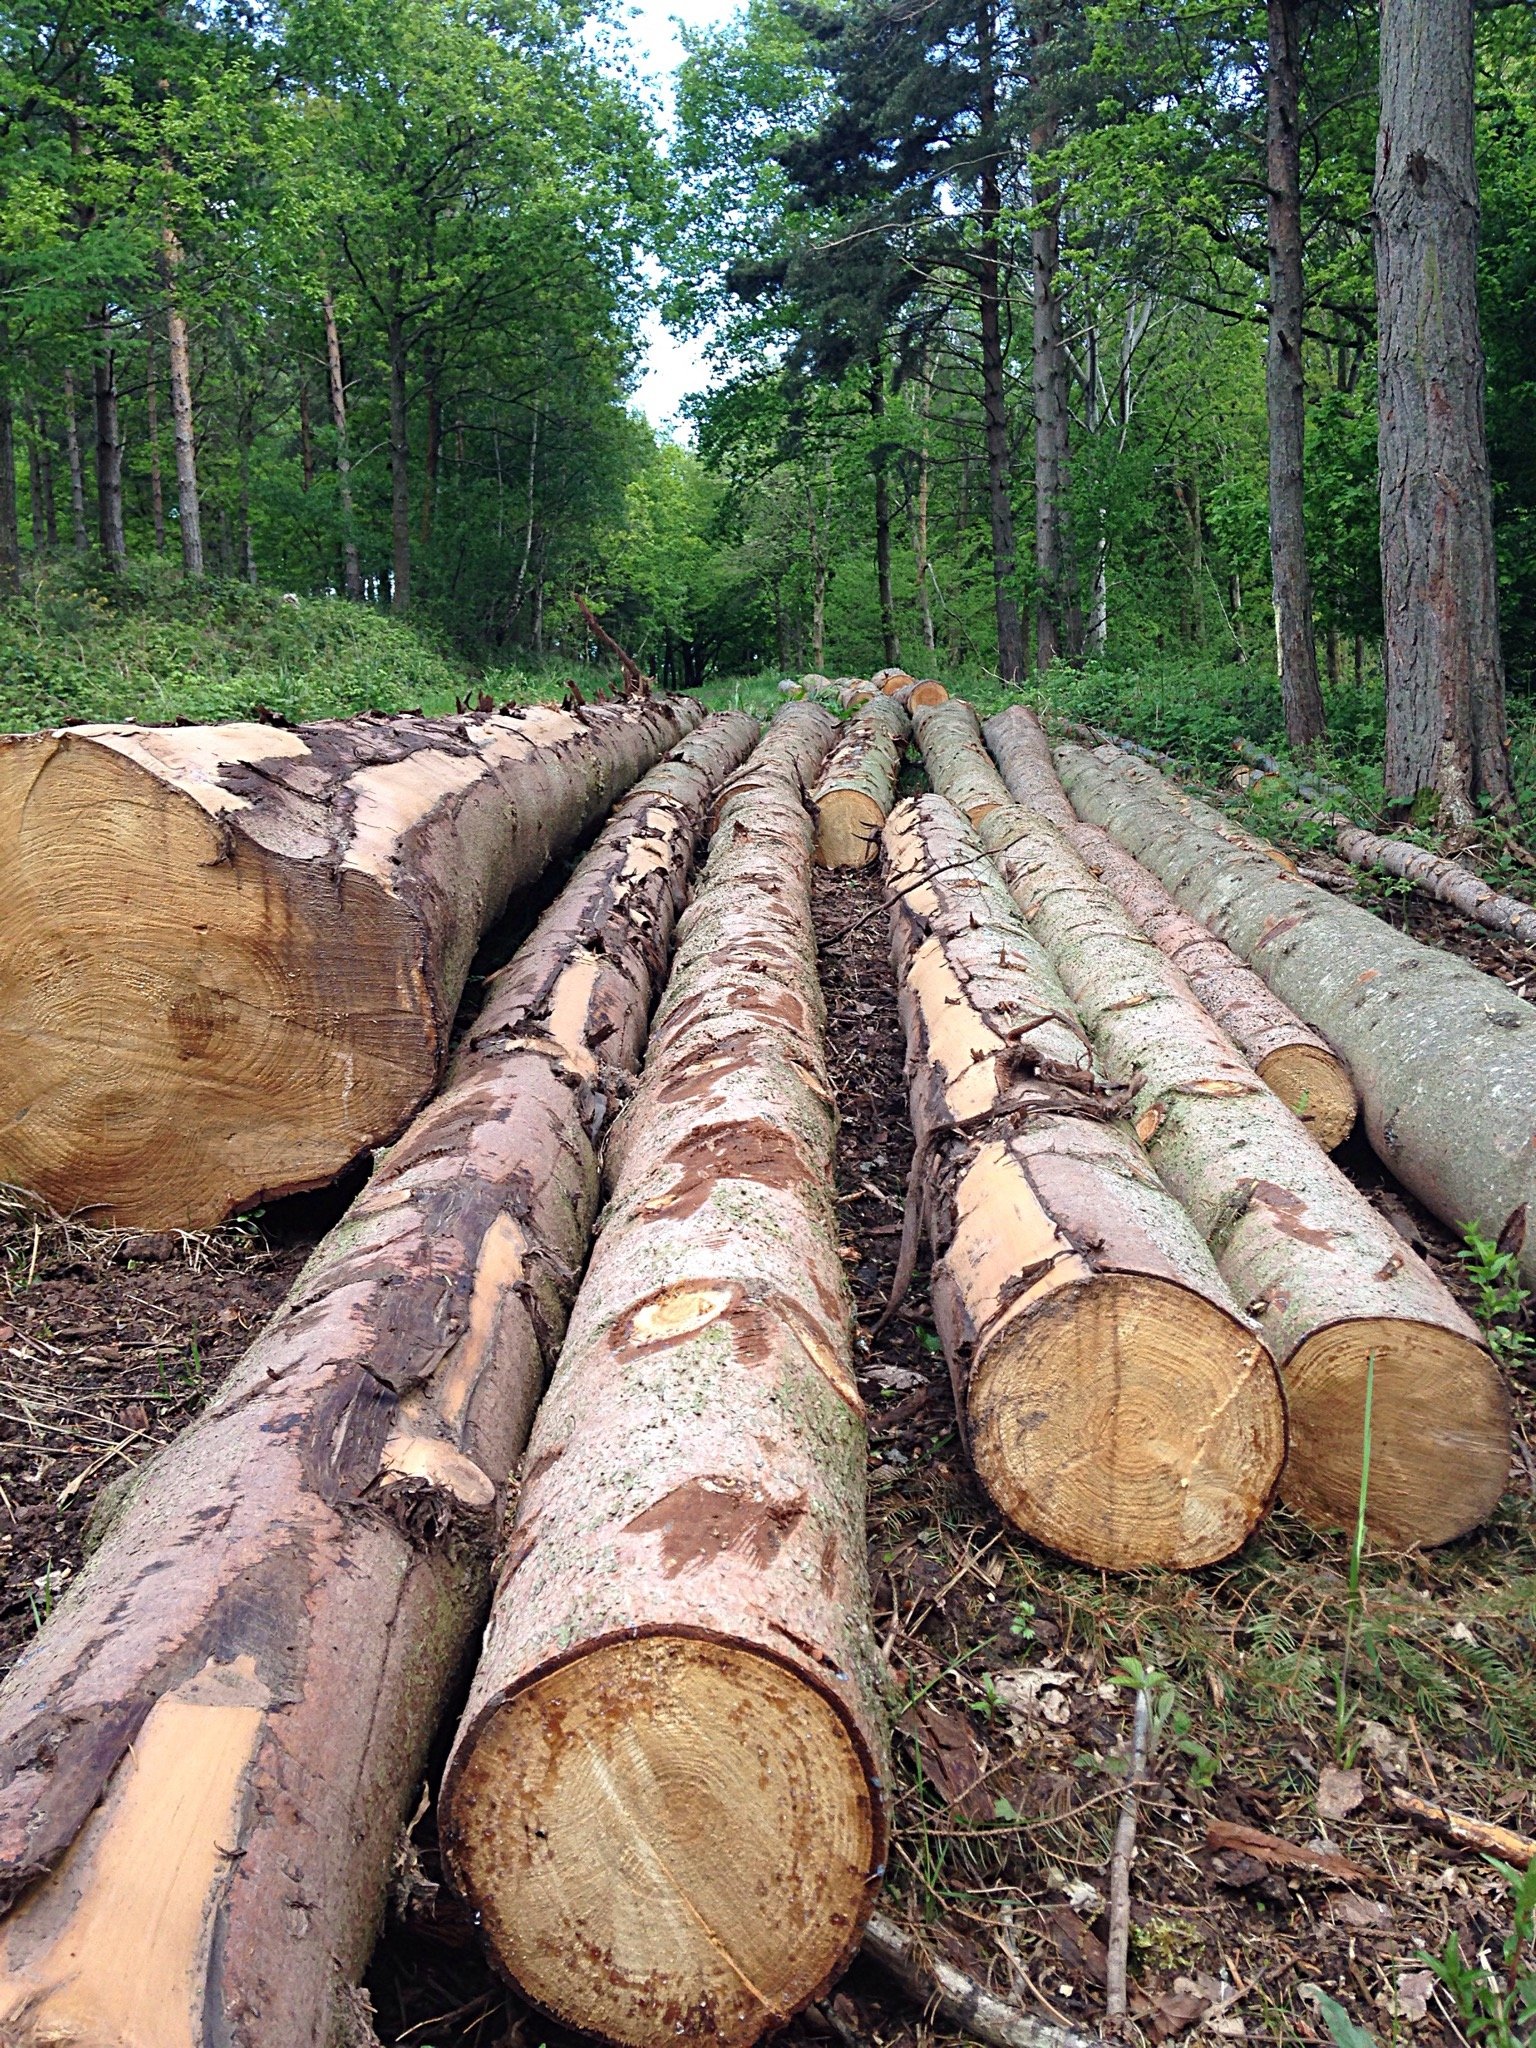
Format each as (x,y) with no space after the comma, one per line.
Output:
(206,1758)
(188,512)
(880,460)
(1058,618)
(1011,660)
(1446,880)
(1288,1056)
(352,573)
(857,787)
(1285,383)
(1120,1407)
(956,758)
(1445,675)
(665,1797)
(1343,1301)
(232,954)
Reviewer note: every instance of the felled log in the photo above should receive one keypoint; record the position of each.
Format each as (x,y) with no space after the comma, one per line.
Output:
(1296,1062)
(665,1798)
(1447,881)
(956,757)
(857,787)
(231,955)
(890,680)
(207,1756)
(926,690)
(1347,1307)
(1443,1056)
(852,691)
(1121,1409)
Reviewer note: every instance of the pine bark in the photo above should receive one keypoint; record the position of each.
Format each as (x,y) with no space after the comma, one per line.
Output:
(208,1756)
(352,574)
(1446,880)
(1090,1337)
(857,786)
(1439,573)
(664,1799)
(1342,1299)
(232,954)
(1294,1061)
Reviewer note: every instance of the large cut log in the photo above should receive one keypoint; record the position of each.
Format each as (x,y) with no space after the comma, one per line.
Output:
(1292,1059)
(856,788)
(1120,1407)
(926,691)
(1442,1055)
(956,757)
(665,1798)
(231,955)
(207,1756)
(1348,1309)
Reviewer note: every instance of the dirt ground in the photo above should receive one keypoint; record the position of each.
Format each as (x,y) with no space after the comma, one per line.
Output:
(1291,1706)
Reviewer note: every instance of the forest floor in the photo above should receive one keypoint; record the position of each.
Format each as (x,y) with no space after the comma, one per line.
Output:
(1291,1702)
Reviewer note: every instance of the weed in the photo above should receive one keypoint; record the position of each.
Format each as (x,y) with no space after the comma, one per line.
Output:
(1497,2007)
(1493,1267)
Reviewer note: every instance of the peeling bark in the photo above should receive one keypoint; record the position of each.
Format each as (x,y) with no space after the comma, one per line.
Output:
(856,788)
(232,954)
(665,1798)
(207,1756)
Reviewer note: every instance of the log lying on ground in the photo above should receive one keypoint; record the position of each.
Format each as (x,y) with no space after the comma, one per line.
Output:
(956,758)
(1346,1306)
(231,955)
(926,690)
(857,787)
(1120,1407)
(1288,1056)
(1446,880)
(665,1796)
(208,1754)
(1442,1055)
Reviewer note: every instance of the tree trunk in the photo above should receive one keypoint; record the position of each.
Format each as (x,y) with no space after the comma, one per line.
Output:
(233,953)
(352,575)
(1343,1293)
(994,393)
(680,1655)
(109,448)
(10,520)
(1090,1337)
(1285,387)
(956,758)
(44,434)
(76,471)
(433,452)
(1446,880)
(152,427)
(35,484)
(920,522)
(857,787)
(818,581)
(1289,1057)
(225,1724)
(306,433)
(881,464)
(399,471)
(1058,620)
(1439,573)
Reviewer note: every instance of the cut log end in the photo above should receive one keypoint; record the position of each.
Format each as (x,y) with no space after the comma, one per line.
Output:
(669,1839)
(848,827)
(1440,1423)
(1129,1423)
(1314,1085)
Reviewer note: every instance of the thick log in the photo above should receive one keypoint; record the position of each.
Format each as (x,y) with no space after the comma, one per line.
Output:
(956,757)
(1347,1307)
(890,680)
(231,955)
(207,1756)
(1442,1055)
(926,691)
(856,788)
(1120,1407)
(665,1798)
(1288,1056)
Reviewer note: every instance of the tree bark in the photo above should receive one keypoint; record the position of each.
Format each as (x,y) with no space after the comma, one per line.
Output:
(399,470)
(1090,1337)
(956,758)
(207,1758)
(1439,573)
(1292,1060)
(1285,386)
(44,436)
(1446,880)
(994,395)
(10,519)
(1058,618)
(1443,1057)
(306,433)
(76,475)
(109,448)
(352,574)
(856,788)
(680,1655)
(881,464)
(233,953)
(152,424)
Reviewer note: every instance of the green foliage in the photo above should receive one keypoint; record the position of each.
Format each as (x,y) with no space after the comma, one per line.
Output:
(1502,1297)
(1497,2008)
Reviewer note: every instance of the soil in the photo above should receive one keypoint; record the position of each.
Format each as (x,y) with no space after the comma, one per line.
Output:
(1290,1703)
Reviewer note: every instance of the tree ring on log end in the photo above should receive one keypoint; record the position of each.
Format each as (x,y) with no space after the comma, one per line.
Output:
(848,828)
(1316,1087)
(1440,1424)
(673,1839)
(1128,1422)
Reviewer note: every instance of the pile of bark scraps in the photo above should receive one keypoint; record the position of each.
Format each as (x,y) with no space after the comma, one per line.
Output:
(110,1342)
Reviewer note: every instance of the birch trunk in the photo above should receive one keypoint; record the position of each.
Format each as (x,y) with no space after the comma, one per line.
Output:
(665,1798)
(856,788)
(207,1757)
(232,954)
(352,574)
(1344,1303)
(1121,1409)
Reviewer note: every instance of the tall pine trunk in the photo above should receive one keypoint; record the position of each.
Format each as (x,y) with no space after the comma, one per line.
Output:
(920,518)
(152,420)
(109,447)
(1058,619)
(881,463)
(994,398)
(76,467)
(1284,388)
(1444,671)
(352,574)
(399,470)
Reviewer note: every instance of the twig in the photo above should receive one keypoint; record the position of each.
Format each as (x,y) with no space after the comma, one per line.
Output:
(1116,2002)
(1465,1832)
(964,2003)
(636,682)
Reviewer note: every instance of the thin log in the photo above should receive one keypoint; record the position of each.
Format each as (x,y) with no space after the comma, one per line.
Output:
(665,1798)
(965,2004)
(1119,1406)
(1288,1056)
(1343,1301)
(1485,1836)
(636,682)
(207,1756)
(956,757)
(232,954)
(1447,881)
(854,793)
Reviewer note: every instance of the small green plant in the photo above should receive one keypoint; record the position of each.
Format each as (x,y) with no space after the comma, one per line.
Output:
(1168,1718)
(1493,1266)
(1497,2007)
(1021,1628)
(1342,2030)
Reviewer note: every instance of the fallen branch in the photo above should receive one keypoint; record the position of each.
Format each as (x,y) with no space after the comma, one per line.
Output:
(636,682)
(964,2003)
(1483,1835)
(1118,1945)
